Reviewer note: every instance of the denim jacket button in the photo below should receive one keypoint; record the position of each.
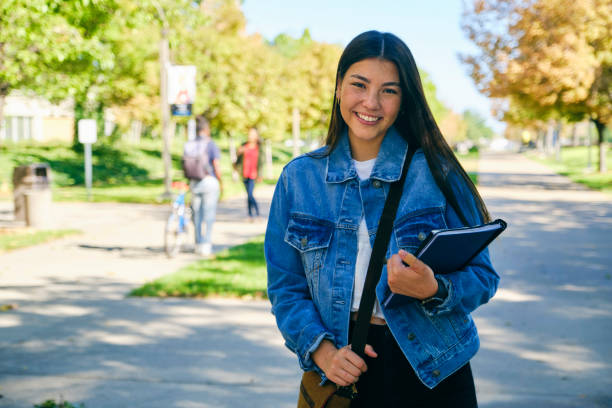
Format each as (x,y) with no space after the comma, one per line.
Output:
(435,373)
(411,336)
(303,241)
(421,236)
(376,183)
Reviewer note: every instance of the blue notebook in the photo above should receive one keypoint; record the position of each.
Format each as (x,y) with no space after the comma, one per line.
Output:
(450,250)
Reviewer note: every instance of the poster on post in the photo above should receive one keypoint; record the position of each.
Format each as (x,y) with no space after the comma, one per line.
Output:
(181,89)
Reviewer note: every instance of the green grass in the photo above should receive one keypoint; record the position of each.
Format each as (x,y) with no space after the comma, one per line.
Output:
(469,161)
(122,172)
(573,164)
(236,272)
(61,404)
(14,239)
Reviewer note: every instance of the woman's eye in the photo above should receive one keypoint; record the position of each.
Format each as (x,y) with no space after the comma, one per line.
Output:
(358,84)
(391,91)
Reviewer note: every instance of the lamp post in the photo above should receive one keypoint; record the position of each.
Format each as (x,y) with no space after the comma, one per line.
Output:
(164,61)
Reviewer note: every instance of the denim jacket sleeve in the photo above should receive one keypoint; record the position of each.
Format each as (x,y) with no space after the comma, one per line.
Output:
(292,305)
(477,282)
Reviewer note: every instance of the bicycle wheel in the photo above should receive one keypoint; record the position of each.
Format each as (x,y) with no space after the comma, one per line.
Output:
(174,233)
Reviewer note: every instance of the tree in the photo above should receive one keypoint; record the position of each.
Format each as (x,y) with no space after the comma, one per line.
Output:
(438,109)
(52,47)
(476,126)
(549,57)
(309,77)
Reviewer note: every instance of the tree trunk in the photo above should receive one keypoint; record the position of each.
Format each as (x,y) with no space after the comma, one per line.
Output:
(296,132)
(549,144)
(269,172)
(574,135)
(557,140)
(601,127)
(540,140)
(233,156)
(2,99)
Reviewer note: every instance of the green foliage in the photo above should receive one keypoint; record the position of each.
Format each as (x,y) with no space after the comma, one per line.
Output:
(476,126)
(14,239)
(52,47)
(236,272)
(105,54)
(61,404)
(290,47)
(437,107)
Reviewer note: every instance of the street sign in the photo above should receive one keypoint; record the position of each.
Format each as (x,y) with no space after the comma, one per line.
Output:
(88,132)
(181,89)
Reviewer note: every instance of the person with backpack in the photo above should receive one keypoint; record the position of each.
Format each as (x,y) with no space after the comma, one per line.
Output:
(201,166)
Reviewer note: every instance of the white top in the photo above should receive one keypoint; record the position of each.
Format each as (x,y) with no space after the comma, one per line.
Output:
(364,249)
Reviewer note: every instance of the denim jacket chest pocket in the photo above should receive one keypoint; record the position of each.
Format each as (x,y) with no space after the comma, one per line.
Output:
(412,229)
(311,237)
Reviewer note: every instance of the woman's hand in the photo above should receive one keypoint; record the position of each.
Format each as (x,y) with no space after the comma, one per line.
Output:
(341,366)
(411,277)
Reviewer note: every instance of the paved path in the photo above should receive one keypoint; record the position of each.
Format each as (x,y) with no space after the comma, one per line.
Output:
(76,336)
(545,336)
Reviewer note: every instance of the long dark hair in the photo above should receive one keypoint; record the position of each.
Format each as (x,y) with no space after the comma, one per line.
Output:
(414,122)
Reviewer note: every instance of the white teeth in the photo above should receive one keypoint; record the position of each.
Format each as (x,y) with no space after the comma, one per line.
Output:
(367,118)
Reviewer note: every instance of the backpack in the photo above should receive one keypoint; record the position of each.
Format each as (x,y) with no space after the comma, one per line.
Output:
(195,161)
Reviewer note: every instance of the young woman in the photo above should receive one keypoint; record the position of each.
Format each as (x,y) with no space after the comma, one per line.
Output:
(323,222)
(248,164)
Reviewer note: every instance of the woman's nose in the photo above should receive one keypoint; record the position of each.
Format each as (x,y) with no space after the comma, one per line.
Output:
(371,100)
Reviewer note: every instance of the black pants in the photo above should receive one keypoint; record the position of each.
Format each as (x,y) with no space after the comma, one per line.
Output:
(390,381)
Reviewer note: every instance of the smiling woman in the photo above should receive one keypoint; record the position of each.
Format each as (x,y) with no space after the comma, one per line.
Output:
(370,97)
(324,219)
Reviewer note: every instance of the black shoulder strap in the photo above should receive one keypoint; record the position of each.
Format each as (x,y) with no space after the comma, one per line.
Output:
(377,259)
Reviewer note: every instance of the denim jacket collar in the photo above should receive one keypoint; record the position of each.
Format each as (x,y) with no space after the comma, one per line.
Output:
(389,162)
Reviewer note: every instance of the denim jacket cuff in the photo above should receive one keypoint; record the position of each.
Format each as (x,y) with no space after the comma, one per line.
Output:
(306,362)
(441,302)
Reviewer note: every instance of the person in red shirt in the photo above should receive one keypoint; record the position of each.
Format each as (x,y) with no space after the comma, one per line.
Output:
(249,166)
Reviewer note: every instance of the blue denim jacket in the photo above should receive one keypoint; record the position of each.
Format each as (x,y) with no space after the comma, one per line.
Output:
(311,248)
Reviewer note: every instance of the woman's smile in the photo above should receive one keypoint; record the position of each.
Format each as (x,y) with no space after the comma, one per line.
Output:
(367,119)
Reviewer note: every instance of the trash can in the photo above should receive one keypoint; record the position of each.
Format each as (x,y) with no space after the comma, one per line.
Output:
(32,194)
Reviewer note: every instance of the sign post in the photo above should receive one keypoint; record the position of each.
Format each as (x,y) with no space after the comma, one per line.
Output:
(88,135)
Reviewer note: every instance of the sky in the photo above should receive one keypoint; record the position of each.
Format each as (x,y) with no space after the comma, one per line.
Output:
(430,28)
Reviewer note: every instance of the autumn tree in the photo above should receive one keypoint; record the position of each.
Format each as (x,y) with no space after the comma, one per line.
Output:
(551,58)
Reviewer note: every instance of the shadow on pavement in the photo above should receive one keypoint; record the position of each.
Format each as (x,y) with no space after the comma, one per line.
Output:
(170,352)
(545,335)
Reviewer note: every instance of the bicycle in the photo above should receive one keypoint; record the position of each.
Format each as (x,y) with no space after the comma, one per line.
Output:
(176,230)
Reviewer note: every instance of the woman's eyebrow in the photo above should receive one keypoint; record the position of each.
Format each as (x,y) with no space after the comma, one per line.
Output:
(367,81)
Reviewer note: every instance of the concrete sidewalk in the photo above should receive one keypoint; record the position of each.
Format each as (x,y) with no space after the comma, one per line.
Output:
(76,336)
(545,336)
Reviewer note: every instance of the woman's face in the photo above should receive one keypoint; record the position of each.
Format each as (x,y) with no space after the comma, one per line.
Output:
(252,135)
(370,99)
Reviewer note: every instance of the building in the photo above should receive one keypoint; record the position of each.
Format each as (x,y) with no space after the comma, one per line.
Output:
(36,119)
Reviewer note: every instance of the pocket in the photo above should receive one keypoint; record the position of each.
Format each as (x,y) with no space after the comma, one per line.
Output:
(311,237)
(412,229)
